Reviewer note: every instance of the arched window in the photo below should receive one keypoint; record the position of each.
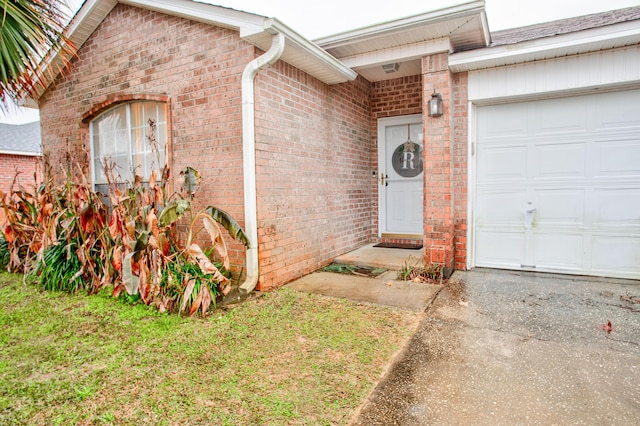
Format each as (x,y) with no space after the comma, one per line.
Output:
(124,134)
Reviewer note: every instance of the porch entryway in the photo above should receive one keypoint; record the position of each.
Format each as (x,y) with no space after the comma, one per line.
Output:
(377,257)
(385,289)
(400,177)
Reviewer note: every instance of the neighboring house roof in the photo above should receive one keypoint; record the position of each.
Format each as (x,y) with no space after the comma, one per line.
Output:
(565,37)
(23,139)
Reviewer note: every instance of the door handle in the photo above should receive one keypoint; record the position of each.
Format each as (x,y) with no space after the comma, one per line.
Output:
(383,178)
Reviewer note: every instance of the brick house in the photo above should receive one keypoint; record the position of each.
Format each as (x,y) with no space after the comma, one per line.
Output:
(20,156)
(321,147)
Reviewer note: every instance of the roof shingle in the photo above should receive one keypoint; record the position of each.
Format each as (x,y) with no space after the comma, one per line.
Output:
(23,138)
(564,26)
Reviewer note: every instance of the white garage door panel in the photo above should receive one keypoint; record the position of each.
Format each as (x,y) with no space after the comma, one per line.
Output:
(560,206)
(617,208)
(503,163)
(511,123)
(618,253)
(558,160)
(575,163)
(617,158)
(620,111)
(504,207)
(500,249)
(558,116)
(562,251)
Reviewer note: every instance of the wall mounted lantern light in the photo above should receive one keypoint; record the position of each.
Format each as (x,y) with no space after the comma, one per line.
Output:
(435,105)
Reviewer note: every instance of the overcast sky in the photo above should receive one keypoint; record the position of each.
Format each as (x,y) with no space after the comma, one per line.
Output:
(314,19)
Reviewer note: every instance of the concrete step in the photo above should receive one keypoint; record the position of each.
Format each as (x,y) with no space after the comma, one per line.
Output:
(377,257)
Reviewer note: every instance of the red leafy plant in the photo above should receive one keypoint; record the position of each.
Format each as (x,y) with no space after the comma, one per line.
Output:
(66,237)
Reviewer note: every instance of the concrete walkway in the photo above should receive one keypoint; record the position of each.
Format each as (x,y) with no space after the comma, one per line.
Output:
(384,289)
(507,348)
(377,257)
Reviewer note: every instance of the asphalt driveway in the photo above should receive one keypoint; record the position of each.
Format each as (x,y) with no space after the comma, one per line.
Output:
(500,347)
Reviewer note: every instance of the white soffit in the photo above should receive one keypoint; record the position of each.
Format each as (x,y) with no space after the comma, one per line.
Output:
(465,24)
(256,29)
(592,40)
(406,40)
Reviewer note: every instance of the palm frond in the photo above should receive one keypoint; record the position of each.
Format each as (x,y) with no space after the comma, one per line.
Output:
(29,31)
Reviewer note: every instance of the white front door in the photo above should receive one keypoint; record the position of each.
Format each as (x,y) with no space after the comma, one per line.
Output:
(400,176)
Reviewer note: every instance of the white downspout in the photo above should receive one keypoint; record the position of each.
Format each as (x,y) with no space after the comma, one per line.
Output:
(249,156)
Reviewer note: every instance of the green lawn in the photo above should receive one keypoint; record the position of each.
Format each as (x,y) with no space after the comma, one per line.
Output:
(285,358)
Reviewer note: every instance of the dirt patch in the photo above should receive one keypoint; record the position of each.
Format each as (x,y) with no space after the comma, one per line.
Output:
(457,289)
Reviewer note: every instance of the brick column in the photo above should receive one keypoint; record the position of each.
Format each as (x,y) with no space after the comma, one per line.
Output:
(438,164)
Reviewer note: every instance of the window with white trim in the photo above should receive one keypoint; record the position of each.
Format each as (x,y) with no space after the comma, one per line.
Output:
(123,134)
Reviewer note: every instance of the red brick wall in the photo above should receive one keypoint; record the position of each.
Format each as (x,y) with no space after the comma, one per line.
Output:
(28,170)
(314,174)
(137,53)
(313,140)
(399,96)
(460,159)
(438,163)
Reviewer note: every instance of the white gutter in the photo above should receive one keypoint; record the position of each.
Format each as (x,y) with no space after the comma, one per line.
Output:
(249,156)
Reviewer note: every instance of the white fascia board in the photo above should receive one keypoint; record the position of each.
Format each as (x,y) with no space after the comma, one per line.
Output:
(364,33)
(343,72)
(246,23)
(595,39)
(400,53)
(22,153)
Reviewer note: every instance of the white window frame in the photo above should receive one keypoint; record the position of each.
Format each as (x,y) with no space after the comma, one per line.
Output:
(160,106)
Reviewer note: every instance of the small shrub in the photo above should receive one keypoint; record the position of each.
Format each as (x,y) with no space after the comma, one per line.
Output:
(59,269)
(416,270)
(5,255)
(65,238)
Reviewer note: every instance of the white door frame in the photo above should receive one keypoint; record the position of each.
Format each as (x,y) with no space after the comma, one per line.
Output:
(382,124)
(471,185)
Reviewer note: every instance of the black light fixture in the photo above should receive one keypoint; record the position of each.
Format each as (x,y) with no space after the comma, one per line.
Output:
(435,105)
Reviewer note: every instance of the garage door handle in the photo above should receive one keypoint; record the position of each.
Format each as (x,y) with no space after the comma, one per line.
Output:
(530,208)
(528,220)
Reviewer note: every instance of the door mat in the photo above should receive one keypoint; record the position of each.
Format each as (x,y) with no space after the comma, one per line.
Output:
(415,246)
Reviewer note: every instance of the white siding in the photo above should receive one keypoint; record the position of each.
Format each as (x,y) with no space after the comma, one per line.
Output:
(569,74)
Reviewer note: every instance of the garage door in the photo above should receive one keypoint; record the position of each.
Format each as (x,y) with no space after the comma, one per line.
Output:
(558,185)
